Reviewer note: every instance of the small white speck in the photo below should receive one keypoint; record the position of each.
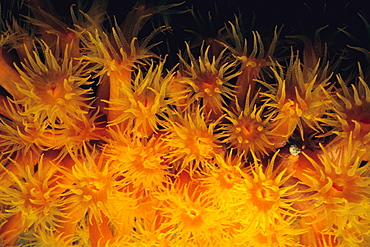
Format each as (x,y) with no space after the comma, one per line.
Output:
(294,150)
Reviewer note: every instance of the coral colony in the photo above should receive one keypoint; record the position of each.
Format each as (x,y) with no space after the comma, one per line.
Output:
(103,144)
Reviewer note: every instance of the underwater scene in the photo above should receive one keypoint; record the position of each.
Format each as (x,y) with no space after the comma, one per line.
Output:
(170,123)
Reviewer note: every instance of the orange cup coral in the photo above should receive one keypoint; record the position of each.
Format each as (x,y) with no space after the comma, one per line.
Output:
(103,143)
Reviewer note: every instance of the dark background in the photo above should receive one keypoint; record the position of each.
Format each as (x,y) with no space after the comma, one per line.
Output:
(296,17)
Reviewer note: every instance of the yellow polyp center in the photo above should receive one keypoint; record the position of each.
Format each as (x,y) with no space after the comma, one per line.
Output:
(56,93)
(201,146)
(93,191)
(337,187)
(193,213)
(228,181)
(265,195)
(245,132)
(152,161)
(193,218)
(94,188)
(291,109)
(146,160)
(52,95)
(210,88)
(229,177)
(144,105)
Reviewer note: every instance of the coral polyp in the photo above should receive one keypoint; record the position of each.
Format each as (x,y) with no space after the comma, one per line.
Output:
(209,79)
(352,115)
(52,88)
(247,130)
(193,139)
(116,132)
(298,99)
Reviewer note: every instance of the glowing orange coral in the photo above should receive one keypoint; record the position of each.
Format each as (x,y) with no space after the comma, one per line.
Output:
(298,99)
(101,145)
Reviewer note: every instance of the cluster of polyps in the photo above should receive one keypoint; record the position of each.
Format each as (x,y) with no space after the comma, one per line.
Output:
(102,146)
